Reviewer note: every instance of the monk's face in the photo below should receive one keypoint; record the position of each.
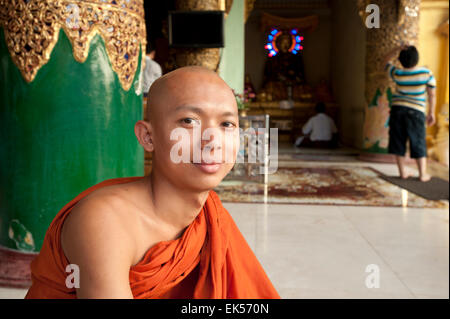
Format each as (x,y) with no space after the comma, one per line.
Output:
(194,128)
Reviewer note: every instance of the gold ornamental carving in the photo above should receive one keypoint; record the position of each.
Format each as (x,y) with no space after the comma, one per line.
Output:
(206,57)
(32,29)
(399,24)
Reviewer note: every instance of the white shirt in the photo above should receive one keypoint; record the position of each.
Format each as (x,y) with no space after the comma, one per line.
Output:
(321,127)
(151,72)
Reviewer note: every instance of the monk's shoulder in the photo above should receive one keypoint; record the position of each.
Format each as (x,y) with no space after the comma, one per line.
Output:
(95,238)
(96,224)
(103,204)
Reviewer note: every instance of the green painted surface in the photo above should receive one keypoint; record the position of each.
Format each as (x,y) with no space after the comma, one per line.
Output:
(375,148)
(374,101)
(70,128)
(232,61)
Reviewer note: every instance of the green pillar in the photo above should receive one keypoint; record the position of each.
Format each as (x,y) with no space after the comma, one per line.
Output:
(66,128)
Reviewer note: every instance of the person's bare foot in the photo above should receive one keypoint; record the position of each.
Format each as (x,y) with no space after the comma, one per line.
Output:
(405,175)
(425,178)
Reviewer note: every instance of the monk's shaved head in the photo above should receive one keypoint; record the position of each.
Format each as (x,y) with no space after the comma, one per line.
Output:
(190,101)
(176,83)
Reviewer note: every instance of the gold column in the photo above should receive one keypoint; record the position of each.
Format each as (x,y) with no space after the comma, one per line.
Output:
(207,57)
(399,23)
(439,149)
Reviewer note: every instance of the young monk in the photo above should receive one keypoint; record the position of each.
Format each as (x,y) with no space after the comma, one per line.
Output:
(165,235)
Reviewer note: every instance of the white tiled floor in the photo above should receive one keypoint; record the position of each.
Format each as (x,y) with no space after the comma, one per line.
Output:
(322,251)
(314,251)
(12,293)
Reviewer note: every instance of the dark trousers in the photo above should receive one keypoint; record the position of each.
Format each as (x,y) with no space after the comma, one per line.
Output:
(406,123)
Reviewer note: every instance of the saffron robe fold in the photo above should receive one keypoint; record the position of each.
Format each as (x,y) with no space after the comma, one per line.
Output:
(211,260)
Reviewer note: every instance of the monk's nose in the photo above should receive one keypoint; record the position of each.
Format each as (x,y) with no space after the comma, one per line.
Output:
(213,143)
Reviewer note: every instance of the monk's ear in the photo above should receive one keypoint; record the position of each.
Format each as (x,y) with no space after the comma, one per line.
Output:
(143,131)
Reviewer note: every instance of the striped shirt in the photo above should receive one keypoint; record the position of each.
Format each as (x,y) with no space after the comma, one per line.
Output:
(411,86)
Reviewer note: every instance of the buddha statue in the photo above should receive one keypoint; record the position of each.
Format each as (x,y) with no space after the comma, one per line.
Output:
(283,72)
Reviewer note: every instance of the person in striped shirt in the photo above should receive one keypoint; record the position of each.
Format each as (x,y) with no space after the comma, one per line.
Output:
(409,114)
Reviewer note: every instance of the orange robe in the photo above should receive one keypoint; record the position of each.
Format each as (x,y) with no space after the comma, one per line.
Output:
(210,260)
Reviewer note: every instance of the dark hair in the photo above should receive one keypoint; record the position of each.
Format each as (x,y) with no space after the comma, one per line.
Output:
(409,57)
(320,107)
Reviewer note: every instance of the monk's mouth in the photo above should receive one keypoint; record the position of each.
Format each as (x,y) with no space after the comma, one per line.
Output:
(209,168)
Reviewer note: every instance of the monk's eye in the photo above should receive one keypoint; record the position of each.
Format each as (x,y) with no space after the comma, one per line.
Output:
(229,124)
(189,121)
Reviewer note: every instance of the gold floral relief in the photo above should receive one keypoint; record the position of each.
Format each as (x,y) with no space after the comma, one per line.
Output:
(391,34)
(32,28)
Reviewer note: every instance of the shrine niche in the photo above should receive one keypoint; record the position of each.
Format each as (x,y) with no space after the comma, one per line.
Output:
(284,76)
(284,69)
(283,88)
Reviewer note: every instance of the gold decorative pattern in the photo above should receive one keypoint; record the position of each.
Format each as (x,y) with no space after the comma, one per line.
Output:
(206,57)
(192,5)
(391,34)
(399,24)
(32,28)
